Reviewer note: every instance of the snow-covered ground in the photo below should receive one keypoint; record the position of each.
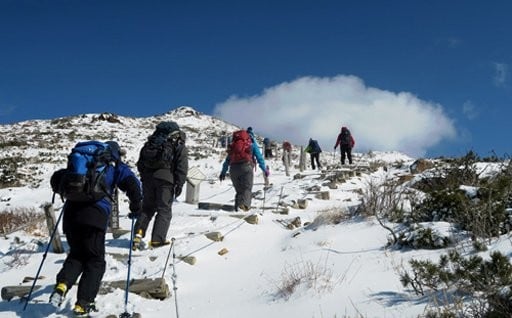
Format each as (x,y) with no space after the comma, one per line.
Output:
(345,269)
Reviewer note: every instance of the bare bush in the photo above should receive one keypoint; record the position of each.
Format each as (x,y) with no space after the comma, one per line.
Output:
(385,201)
(306,274)
(328,217)
(18,258)
(21,218)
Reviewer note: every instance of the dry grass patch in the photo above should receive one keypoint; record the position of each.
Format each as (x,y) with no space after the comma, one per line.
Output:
(27,219)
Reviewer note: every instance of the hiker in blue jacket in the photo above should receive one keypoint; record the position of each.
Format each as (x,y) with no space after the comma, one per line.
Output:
(314,151)
(242,172)
(85,225)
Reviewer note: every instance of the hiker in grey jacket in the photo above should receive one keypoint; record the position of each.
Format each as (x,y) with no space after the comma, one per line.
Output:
(161,183)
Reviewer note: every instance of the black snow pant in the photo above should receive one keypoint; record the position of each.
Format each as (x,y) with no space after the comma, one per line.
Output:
(346,150)
(86,257)
(158,196)
(315,157)
(242,176)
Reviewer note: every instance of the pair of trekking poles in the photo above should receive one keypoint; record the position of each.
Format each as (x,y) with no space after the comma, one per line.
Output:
(125,314)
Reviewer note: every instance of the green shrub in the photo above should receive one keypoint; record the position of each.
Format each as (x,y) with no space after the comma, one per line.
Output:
(480,281)
(446,205)
(420,237)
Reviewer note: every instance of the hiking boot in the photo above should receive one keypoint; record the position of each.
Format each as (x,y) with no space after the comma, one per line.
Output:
(58,294)
(84,310)
(137,241)
(156,244)
(244,207)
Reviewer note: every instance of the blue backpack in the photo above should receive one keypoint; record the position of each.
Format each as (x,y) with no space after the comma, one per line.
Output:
(84,178)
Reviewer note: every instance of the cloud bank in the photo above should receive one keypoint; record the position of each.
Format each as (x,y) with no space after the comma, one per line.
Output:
(318,107)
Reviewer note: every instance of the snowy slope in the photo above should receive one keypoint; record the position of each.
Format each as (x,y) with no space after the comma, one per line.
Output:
(343,270)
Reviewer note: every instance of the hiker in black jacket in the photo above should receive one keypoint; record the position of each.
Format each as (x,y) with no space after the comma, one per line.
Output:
(161,184)
(346,143)
(85,226)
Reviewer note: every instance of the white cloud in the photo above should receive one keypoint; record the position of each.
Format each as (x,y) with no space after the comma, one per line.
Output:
(469,110)
(500,74)
(318,108)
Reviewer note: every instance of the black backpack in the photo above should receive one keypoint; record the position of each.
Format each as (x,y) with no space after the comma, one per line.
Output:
(159,151)
(84,179)
(345,138)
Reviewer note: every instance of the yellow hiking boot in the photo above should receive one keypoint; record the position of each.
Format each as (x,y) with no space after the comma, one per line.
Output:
(156,244)
(58,294)
(80,311)
(137,241)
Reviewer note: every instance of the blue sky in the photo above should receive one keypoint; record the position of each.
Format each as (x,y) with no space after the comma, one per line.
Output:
(424,77)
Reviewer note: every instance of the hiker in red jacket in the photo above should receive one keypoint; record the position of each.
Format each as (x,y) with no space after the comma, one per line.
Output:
(346,143)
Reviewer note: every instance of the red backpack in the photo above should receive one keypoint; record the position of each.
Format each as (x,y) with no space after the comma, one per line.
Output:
(240,148)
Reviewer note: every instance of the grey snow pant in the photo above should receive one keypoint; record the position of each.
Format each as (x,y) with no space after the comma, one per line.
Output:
(242,176)
(158,196)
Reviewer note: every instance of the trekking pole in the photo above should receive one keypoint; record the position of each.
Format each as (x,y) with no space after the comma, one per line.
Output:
(174,276)
(168,255)
(44,257)
(126,314)
(264,195)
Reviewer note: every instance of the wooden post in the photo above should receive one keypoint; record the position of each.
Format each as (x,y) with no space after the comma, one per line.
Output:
(151,288)
(302,159)
(51,223)
(114,215)
(9,292)
(280,197)
(286,162)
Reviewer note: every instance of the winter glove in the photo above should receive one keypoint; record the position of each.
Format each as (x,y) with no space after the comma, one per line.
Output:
(267,172)
(133,215)
(222,176)
(177,191)
(135,208)
(56,179)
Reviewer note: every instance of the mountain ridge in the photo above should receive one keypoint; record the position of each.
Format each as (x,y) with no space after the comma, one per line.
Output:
(33,149)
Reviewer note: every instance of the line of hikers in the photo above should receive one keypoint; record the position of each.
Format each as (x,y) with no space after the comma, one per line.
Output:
(345,141)
(93,171)
(243,154)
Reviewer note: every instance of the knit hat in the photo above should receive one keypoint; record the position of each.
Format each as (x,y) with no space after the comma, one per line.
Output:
(115,150)
(166,127)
